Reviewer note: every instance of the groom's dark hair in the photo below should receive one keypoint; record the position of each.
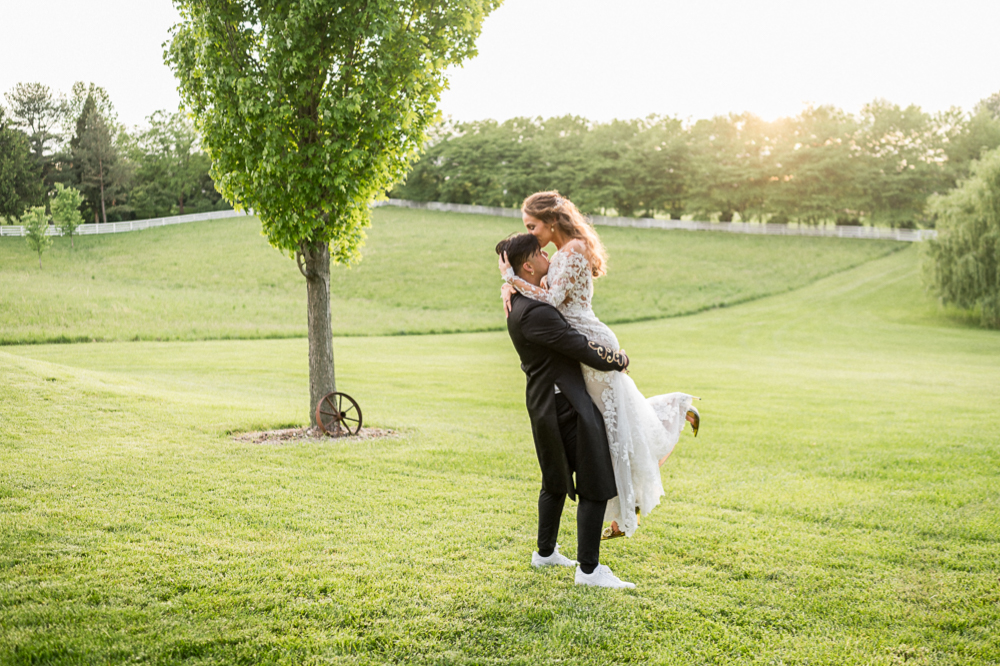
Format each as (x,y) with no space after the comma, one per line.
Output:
(519,248)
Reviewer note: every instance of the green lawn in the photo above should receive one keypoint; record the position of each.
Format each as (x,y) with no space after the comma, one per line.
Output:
(422,272)
(840,505)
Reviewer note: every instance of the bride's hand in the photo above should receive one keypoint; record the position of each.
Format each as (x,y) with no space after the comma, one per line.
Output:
(505,293)
(504,265)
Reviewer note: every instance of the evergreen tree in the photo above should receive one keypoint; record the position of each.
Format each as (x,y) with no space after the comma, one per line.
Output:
(103,173)
(36,111)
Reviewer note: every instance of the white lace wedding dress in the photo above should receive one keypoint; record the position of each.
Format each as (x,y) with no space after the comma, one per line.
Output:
(641,431)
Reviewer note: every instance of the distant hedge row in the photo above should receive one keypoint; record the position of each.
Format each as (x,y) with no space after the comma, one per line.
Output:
(822,166)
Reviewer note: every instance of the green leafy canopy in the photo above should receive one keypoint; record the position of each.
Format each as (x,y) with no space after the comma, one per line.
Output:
(310,109)
(36,227)
(964,261)
(65,207)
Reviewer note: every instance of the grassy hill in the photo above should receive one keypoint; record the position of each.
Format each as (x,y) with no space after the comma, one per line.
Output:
(422,272)
(839,506)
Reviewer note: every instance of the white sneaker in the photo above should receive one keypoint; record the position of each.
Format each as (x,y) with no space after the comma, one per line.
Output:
(556,559)
(602,577)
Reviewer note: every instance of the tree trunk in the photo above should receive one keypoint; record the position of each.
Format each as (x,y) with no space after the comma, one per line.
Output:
(321,375)
(104,215)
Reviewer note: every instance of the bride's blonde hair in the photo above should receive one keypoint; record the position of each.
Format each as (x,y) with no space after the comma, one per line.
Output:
(558,211)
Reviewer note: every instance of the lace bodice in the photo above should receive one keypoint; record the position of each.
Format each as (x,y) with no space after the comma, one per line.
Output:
(570,285)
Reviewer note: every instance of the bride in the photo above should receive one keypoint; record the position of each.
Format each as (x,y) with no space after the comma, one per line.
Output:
(641,432)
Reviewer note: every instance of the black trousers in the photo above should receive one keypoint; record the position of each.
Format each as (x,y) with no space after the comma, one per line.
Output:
(589,513)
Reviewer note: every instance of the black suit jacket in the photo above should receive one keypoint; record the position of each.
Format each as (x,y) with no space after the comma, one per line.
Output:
(551,352)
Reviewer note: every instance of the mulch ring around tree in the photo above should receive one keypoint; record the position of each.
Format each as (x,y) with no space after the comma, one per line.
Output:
(311,435)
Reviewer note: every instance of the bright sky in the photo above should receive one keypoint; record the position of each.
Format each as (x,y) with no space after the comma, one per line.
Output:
(594,58)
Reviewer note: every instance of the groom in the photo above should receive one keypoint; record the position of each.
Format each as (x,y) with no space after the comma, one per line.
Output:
(568,428)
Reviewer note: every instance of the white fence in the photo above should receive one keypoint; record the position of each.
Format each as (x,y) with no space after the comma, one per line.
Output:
(872,233)
(135,225)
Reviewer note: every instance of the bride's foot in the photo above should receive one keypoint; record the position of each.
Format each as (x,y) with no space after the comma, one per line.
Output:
(611,532)
(694,418)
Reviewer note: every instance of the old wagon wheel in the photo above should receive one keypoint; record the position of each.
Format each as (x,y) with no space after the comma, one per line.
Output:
(338,414)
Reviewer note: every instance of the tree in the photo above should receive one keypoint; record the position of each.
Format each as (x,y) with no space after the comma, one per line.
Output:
(89,96)
(662,161)
(36,111)
(990,105)
(903,162)
(966,137)
(963,263)
(171,171)
(65,209)
(310,109)
(102,171)
(20,176)
(36,227)
(729,166)
(610,168)
(815,161)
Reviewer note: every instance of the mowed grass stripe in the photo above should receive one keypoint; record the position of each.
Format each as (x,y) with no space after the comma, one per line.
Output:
(839,506)
(422,272)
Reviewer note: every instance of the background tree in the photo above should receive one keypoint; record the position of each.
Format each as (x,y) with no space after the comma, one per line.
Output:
(39,113)
(814,173)
(310,109)
(20,176)
(963,264)
(990,106)
(903,164)
(171,171)
(36,227)
(729,170)
(65,207)
(92,96)
(103,172)
(610,169)
(662,156)
(967,137)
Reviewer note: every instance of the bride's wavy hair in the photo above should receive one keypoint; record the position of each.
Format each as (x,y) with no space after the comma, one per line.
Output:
(556,210)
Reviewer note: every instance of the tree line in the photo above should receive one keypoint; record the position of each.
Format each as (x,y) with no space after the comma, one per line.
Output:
(50,141)
(878,167)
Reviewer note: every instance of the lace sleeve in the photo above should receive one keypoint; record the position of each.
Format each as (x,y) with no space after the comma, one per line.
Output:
(531,291)
(569,268)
